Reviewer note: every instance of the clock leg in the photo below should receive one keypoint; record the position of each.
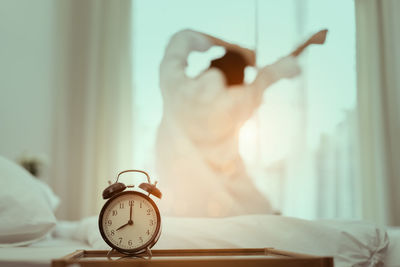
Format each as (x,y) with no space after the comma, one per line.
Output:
(110,253)
(149,254)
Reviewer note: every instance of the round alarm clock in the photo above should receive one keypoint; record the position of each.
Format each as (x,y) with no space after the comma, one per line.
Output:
(130,221)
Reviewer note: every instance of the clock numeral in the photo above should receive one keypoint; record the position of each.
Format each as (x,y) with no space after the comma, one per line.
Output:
(140,205)
(120,240)
(112,232)
(131,203)
(148,212)
(121,205)
(148,232)
(109,222)
(140,239)
(151,222)
(130,243)
(114,213)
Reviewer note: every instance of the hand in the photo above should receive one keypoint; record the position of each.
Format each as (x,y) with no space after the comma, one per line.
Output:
(122,226)
(130,216)
(130,222)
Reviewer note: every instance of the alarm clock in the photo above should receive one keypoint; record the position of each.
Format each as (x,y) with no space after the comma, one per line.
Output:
(130,221)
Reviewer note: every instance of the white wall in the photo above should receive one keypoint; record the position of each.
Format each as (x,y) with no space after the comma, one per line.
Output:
(26,85)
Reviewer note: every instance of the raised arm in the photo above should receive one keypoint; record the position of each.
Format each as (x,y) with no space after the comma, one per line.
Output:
(247,53)
(286,67)
(242,102)
(174,62)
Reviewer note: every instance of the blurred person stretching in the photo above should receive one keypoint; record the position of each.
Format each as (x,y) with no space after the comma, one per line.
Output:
(198,161)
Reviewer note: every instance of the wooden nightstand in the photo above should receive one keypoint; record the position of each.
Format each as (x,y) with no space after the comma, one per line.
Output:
(249,257)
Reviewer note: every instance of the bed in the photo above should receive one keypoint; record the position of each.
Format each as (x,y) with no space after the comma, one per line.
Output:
(30,235)
(365,246)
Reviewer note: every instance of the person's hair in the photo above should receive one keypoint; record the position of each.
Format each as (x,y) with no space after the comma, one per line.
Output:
(232,65)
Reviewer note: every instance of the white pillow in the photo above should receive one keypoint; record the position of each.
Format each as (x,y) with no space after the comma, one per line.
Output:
(26,206)
(52,200)
(350,243)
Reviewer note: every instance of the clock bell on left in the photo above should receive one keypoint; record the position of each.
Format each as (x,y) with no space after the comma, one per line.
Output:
(130,221)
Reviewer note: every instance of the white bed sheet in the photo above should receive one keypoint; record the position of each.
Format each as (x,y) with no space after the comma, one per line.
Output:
(40,253)
(177,233)
(351,243)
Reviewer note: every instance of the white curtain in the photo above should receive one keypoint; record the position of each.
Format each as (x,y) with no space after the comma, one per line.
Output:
(314,123)
(378,67)
(93,101)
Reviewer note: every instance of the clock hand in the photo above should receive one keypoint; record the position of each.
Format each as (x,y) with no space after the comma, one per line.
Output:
(130,216)
(122,226)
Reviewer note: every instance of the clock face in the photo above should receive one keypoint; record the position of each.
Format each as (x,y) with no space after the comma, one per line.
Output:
(130,222)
